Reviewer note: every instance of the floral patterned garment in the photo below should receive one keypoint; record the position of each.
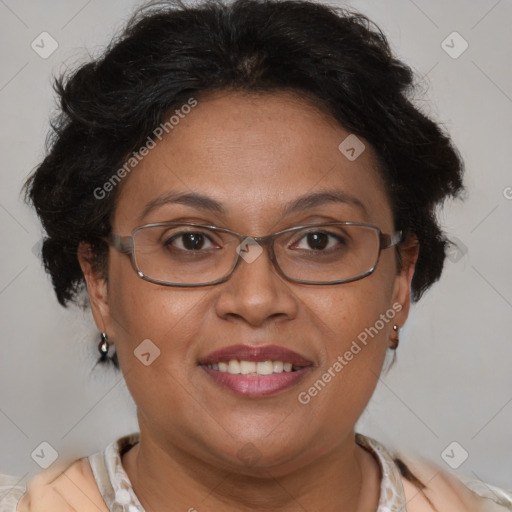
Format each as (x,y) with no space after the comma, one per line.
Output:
(116,489)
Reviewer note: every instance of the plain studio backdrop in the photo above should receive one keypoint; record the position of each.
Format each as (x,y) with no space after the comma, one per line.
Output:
(449,395)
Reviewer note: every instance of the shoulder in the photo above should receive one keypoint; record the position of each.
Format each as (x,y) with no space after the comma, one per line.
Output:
(444,491)
(418,485)
(62,489)
(11,490)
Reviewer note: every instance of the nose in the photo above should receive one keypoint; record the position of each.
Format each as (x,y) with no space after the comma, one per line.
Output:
(256,292)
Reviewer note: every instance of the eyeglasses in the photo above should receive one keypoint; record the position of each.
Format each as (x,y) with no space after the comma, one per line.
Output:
(190,254)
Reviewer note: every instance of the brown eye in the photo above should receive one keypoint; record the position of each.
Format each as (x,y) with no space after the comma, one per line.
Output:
(193,241)
(189,241)
(317,240)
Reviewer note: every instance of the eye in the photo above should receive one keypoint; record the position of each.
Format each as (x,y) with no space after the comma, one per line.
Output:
(189,241)
(318,241)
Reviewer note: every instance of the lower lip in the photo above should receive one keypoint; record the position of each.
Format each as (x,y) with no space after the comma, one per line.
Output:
(257,385)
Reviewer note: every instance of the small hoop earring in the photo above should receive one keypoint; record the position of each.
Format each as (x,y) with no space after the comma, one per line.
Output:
(395,340)
(103,347)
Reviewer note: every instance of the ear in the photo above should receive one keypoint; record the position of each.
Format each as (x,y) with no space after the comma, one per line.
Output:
(409,251)
(96,286)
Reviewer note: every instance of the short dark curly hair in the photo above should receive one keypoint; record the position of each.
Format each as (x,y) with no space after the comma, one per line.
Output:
(170,52)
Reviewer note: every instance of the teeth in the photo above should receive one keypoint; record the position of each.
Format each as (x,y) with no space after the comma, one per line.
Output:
(253,368)
(247,367)
(234,366)
(264,368)
(278,366)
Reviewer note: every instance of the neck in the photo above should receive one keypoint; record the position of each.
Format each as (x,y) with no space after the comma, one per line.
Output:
(346,479)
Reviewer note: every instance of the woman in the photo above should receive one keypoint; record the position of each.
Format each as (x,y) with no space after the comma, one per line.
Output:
(248,198)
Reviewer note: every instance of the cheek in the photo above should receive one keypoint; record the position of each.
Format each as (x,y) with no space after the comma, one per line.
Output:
(155,329)
(168,317)
(356,328)
(355,321)
(346,312)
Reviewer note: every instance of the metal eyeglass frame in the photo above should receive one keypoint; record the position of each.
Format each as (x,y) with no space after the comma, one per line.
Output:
(125,245)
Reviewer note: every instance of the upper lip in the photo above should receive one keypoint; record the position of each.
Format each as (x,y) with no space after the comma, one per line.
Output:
(252,353)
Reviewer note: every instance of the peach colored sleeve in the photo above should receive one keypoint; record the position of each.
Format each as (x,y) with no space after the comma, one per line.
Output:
(73,490)
(443,492)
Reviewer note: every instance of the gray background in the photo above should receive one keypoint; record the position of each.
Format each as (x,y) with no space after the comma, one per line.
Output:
(452,380)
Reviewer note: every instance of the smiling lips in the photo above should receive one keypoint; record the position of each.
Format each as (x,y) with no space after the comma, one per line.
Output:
(255,371)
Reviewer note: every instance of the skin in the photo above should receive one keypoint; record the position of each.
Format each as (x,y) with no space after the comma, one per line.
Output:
(254,154)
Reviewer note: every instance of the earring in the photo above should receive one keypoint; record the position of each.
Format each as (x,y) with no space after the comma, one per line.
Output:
(395,338)
(103,347)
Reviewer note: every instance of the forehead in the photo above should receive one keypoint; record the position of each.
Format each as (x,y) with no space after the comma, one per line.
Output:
(253,153)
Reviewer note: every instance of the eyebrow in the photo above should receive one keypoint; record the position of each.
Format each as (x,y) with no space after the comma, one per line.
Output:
(206,203)
(188,199)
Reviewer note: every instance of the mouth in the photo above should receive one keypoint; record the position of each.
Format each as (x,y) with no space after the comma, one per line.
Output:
(255,371)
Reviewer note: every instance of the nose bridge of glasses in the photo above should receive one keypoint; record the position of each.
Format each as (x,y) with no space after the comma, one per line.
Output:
(251,248)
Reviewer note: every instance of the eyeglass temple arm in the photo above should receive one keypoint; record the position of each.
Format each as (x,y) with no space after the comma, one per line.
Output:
(121,243)
(390,240)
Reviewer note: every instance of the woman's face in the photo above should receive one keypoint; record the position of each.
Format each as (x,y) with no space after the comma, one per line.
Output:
(254,155)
